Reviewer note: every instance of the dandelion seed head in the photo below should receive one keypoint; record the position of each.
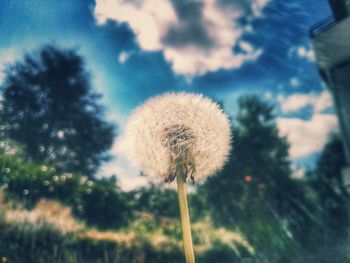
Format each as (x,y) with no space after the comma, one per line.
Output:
(177,129)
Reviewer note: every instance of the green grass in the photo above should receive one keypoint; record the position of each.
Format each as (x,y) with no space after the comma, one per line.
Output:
(35,236)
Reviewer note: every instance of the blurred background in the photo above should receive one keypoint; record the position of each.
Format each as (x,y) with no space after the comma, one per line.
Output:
(71,72)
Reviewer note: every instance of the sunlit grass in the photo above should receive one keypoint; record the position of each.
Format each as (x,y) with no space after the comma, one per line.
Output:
(46,212)
(54,221)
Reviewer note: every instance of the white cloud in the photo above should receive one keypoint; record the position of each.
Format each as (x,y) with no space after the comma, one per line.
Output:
(128,184)
(114,116)
(307,136)
(323,102)
(8,56)
(298,173)
(269,95)
(123,57)
(246,47)
(295,102)
(294,82)
(195,36)
(306,53)
(128,177)
(258,6)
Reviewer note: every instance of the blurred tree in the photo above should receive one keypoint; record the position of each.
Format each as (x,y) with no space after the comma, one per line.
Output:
(159,201)
(255,191)
(104,205)
(49,107)
(330,163)
(332,196)
(99,202)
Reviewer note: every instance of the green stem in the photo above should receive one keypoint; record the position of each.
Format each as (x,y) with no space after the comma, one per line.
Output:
(185,219)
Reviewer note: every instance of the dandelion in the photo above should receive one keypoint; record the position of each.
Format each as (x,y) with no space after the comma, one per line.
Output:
(178,136)
(177,129)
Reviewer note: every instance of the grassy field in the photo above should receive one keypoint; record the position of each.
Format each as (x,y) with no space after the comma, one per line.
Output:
(49,233)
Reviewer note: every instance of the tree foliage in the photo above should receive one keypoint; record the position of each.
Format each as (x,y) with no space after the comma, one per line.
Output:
(332,196)
(161,202)
(99,203)
(50,107)
(255,191)
(104,205)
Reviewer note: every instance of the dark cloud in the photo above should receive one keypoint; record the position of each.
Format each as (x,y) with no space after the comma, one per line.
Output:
(241,6)
(192,28)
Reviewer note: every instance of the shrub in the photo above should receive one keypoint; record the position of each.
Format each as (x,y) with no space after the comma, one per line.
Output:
(162,202)
(98,202)
(104,206)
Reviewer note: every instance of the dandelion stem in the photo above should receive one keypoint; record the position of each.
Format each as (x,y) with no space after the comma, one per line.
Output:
(185,219)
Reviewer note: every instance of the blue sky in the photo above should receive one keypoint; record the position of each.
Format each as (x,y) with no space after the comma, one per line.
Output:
(140,48)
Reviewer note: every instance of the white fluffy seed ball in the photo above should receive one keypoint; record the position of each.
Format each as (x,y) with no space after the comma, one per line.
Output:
(177,126)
